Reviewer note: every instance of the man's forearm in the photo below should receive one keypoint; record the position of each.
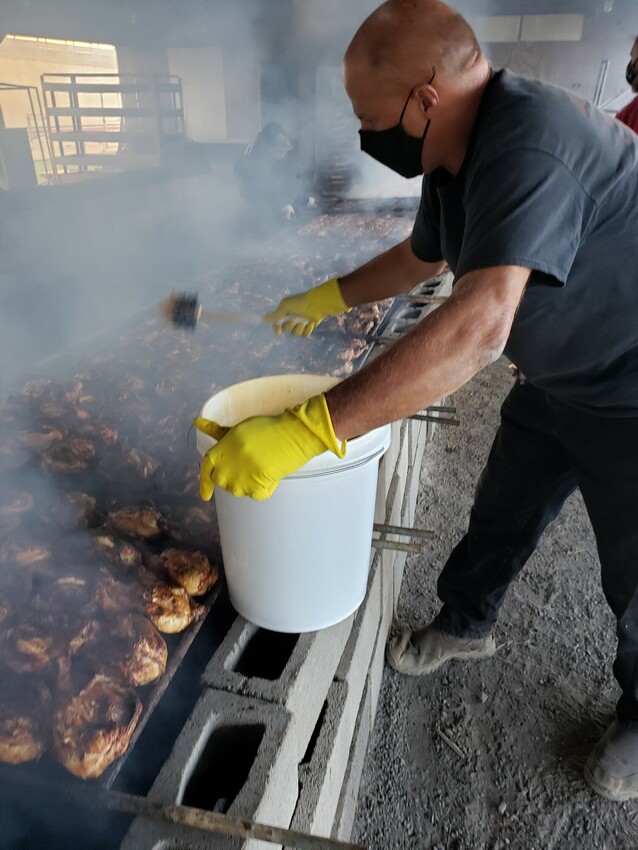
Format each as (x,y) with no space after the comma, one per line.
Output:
(392,273)
(441,354)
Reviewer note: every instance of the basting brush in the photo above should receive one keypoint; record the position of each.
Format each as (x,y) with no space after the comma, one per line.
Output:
(183,310)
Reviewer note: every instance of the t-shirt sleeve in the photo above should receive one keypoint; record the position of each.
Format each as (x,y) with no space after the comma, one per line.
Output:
(524,208)
(629,115)
(426,237)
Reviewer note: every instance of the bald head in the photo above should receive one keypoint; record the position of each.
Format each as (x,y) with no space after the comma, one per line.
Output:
(403,40)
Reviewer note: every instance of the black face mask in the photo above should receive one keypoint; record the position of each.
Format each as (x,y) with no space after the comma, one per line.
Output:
(631,73)
(394,147)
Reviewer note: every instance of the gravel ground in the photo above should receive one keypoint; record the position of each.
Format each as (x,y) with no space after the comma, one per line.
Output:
(519,726)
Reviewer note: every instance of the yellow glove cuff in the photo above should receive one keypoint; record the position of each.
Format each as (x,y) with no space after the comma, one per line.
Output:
(314,414)
(328,298)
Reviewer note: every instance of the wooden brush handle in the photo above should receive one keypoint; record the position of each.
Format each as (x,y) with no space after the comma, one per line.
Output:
(228,318)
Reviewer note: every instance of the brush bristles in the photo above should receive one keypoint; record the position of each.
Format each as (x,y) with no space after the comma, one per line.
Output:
(168,307)
(181,309)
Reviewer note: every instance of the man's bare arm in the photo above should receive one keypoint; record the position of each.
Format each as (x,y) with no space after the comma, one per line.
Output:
(392,273)
(441,354)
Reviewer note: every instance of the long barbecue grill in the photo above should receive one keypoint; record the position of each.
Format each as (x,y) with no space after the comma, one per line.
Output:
(133,399)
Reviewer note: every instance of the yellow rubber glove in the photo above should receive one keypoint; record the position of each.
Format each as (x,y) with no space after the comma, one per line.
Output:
(300,314)
(251,458)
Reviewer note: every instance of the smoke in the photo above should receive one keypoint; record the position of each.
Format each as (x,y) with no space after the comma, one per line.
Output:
(84,262)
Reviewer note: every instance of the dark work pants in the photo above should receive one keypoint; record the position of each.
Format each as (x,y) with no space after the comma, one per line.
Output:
(544,450)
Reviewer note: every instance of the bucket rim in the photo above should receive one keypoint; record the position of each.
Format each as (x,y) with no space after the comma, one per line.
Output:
(362,449)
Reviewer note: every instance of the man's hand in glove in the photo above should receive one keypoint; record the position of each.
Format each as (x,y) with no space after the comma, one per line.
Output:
(251,458)
(300,314)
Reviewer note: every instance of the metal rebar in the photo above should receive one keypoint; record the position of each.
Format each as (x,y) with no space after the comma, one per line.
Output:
(423,417)
(412,548)
(402,530)
(439,408)
(422,299)
(92,797)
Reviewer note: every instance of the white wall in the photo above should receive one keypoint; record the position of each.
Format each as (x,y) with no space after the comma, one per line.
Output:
(202,73)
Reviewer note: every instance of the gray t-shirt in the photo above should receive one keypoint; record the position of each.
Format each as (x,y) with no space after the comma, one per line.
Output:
(550,183)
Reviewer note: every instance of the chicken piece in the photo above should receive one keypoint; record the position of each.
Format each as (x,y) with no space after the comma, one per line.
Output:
(123,557)
(73,508)
(52,409)
(114,596)
(131,650)
(192,527)
(109,435)
(137,522)
(93,728)
(12,454)
(33,644)
(166,388)
(141,463)
(191,570)
(354,350)
(70,598)
(20,553)
(37,388)
(169,608)
(340,371)
(38,441)
(15,503)
(25,709)
(73,455)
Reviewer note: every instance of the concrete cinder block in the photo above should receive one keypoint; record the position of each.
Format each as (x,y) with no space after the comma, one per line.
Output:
(347,807)
(377,663)
(303,684)
(355,660)
(222,732)
(387,468)
(323,777)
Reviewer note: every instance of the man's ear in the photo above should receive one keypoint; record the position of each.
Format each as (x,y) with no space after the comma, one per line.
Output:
(427,95)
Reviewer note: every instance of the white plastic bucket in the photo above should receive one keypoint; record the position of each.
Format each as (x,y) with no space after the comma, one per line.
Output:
(298,561)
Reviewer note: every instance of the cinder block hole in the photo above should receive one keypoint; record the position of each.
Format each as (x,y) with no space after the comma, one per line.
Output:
(312,743)
(223,767)
(266,654)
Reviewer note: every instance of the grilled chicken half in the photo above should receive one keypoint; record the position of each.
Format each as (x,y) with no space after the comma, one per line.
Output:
(137,522)
(130,649)
(191,570)
(73,455)
(93,728)
(25,710)
(170,608)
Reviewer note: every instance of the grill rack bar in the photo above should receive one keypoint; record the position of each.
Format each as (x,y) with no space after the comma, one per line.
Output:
(95,797)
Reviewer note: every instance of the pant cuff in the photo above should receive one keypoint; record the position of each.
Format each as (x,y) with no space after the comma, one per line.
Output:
(456,624)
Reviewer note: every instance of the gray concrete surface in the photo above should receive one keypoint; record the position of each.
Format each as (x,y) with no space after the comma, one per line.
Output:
(524,721)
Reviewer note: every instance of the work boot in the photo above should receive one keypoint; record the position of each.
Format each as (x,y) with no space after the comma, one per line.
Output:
(612,767)
(421,652)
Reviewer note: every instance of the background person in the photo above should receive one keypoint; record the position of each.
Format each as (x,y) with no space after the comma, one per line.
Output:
(269,177)
(629,115)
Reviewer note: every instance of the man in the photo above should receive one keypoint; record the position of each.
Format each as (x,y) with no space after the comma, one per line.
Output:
(629,115)
(528,195)
(269,179)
